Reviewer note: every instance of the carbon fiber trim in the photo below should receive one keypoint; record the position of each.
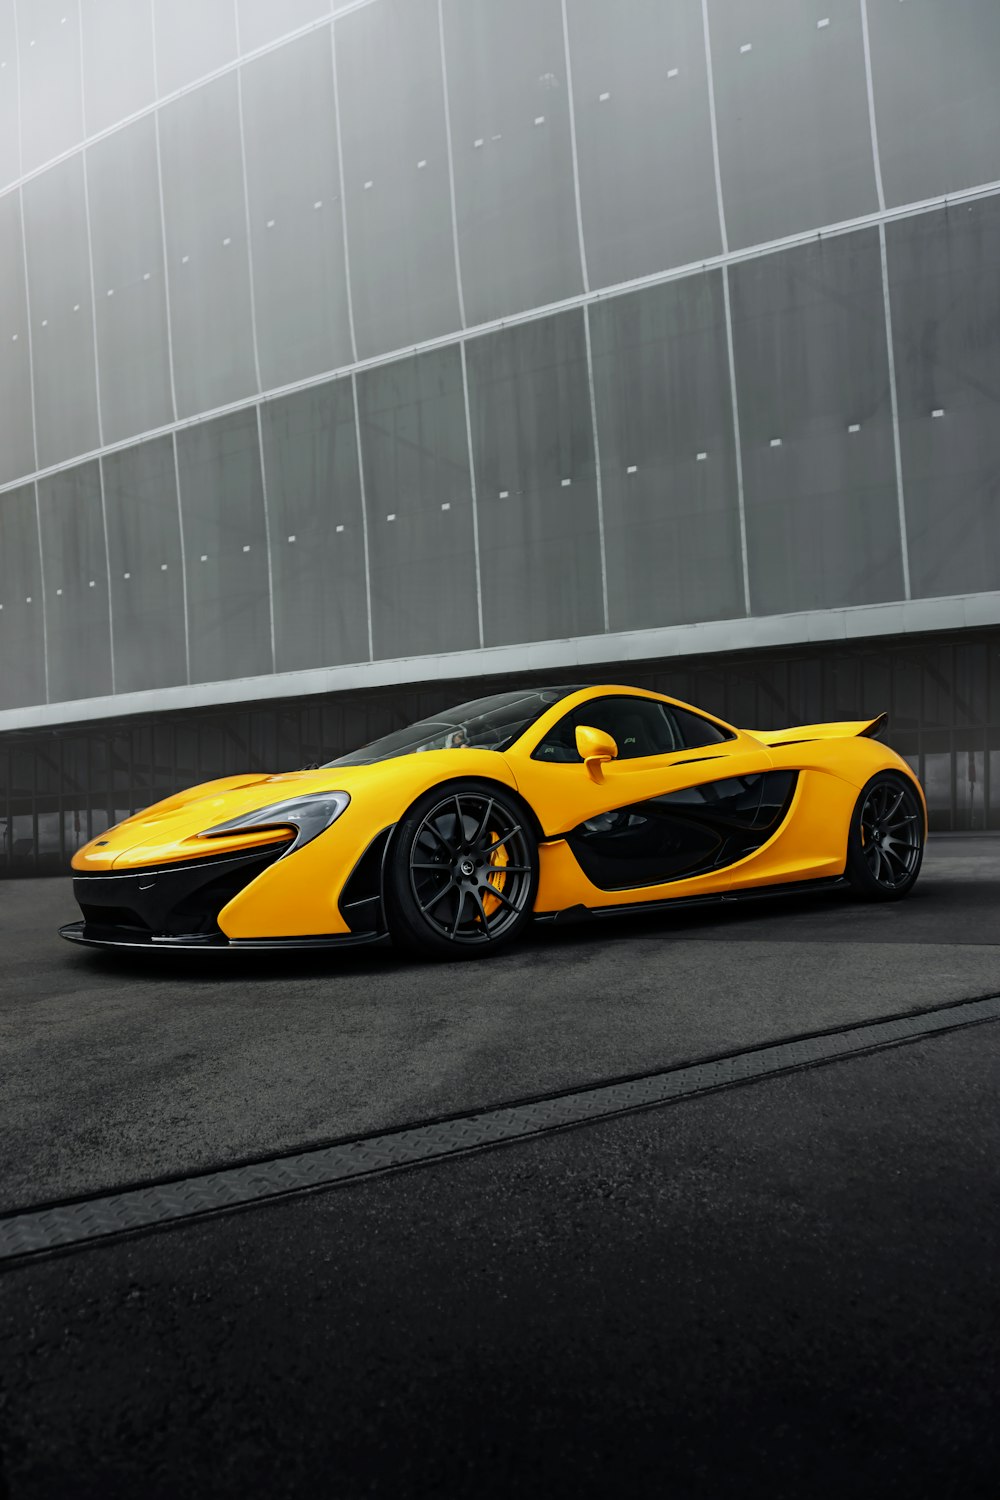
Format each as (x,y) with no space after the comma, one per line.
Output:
(38,1231)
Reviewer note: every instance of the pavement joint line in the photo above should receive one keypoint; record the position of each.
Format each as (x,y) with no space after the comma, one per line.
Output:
(29,1233)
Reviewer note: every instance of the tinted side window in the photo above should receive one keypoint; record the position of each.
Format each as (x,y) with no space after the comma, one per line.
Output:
(639,726)
(695,731)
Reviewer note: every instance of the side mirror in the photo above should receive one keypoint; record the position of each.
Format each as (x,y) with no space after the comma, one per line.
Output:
(596,749)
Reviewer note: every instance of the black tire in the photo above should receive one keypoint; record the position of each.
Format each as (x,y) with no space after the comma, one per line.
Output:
(885,844)
(462,872)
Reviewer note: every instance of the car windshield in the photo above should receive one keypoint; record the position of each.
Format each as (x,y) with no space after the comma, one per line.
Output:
(485,724)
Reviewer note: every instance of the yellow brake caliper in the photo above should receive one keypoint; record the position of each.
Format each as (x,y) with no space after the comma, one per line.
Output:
(498,859)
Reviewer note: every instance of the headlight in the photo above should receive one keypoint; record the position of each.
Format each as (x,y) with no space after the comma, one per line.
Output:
(310,816)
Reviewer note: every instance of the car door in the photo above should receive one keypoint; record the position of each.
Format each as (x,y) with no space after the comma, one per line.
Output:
(682,802)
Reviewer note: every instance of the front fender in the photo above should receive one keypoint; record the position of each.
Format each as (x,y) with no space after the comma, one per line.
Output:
(299,895)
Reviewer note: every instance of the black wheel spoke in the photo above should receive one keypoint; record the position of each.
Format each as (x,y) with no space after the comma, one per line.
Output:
(482,914)
(491,890)
(437,897)
(460,843)
(435,833)
(499,843)
(461,908)
(480,832)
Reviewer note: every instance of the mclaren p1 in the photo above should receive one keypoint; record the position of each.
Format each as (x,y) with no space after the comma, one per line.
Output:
(450,836)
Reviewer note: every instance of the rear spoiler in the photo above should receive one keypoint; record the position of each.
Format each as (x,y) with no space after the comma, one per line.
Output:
(849,729)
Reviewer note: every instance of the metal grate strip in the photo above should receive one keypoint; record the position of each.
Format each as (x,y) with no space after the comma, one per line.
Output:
(36,1231)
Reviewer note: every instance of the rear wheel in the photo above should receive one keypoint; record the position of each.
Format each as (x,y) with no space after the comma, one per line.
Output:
(886,841)
(463,872)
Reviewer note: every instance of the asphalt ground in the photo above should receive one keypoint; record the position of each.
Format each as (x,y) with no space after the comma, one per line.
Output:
(782,1288)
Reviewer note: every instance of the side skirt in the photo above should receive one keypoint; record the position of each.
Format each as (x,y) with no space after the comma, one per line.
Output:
(793,888)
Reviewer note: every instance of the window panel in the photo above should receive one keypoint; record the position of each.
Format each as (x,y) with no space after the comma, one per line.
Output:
(261,21)
(668,468)
(397,194)
(193,38)
(419,501)
(61,312)
(992,771)
(208,266)
(76,584)
(515,204)
(225,542)
(10,155)
(297,231)
(907,689)
(117,60)
(51,86)
(938,778)
(842,688)
(944,280)
(644,140)
(791,107)
(993,682)
(640,727)
(876,691)
(970,675)
(17,449)
(317,528)
(130,302)
(938,117)
(819,472)
(144,551)
(22,641)
(940,697)
(533,452)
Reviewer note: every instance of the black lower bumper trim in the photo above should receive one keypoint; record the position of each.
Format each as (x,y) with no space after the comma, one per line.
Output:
(97,937)
(178,901)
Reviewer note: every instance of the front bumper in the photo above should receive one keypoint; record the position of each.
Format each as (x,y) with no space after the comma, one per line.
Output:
(177,905)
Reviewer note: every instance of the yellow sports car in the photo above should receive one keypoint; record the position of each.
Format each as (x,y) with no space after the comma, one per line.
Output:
(543,804)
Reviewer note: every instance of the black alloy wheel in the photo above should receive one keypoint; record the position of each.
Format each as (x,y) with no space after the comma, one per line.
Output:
(886,842)
(463,872)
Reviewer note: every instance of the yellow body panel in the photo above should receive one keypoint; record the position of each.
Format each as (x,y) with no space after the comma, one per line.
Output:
(297,895)
(848,729)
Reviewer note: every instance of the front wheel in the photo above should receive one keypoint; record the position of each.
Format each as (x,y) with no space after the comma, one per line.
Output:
(462,873)
(886,841)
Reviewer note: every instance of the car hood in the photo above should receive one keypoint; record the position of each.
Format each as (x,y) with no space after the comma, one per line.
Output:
(168,830)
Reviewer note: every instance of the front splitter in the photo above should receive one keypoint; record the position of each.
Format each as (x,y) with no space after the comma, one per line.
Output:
(195,942)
